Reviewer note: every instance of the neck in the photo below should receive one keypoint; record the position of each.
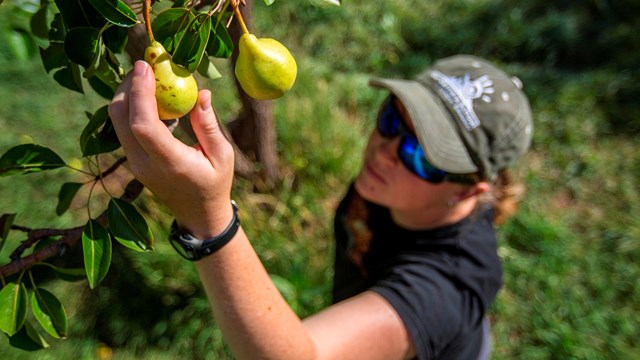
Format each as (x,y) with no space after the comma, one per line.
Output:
(433,217)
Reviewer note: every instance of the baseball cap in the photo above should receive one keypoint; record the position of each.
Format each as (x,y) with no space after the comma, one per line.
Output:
(469,115)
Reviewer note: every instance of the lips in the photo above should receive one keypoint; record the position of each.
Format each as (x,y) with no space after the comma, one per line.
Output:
(375,174)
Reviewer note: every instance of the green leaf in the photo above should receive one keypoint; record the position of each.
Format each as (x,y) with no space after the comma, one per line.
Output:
(6,220)
(220,44)
(96,121)
(68,73)
(73,274)
(208,69)
(54,57)
(66,274)
(20,44)
(96,246)
(115,38)
(269,2)
(49,312)
(57,30)
(40,21)
(69,77)
(179,3)
(99,136)
(128,226)
(13,307)
(45,242)
(67,192)
(193,42)
(101,88)
(169,25)
(116,12)
(78,13)
(104,72)
(28,158)
(28,339)
(82,45)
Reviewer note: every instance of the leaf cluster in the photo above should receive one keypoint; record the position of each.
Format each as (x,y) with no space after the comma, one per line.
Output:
(122,222)
(81,42)
(83,46)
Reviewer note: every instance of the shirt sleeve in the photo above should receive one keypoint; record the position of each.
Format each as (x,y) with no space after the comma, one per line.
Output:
(436,312)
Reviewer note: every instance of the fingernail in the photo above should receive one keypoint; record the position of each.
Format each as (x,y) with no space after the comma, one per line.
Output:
(140,68)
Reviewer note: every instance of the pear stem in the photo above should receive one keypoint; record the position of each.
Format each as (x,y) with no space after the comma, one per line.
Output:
(236,10)
(146,14)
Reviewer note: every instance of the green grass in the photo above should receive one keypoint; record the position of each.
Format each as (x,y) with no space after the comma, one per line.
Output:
(571,255)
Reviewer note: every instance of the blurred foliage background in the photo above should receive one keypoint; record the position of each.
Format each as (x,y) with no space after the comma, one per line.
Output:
(571,255)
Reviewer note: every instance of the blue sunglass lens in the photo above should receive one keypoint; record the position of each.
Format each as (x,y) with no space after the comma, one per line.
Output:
(389,121)
(415,160)
(389,125)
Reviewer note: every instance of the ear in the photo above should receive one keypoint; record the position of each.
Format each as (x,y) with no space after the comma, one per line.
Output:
(468,191)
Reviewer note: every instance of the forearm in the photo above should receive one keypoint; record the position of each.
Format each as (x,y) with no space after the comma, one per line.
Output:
(256,321)
(194,182)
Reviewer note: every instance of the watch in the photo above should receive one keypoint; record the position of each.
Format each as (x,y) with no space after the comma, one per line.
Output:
(194,249)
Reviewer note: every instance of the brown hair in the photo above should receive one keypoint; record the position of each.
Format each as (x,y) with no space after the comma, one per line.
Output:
(356,218)
(505,196)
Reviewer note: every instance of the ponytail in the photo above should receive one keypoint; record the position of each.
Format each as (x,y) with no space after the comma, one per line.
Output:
(505,196)
(356,218)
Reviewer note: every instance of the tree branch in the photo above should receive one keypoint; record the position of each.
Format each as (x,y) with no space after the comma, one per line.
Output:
(33,236)
(70,238)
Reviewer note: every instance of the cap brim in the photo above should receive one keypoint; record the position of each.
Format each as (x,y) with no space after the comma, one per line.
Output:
(434,128)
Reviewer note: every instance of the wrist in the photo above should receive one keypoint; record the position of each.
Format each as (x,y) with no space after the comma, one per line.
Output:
(204,223)
(194,247)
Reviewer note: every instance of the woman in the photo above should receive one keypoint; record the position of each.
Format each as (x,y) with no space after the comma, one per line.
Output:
(416,264)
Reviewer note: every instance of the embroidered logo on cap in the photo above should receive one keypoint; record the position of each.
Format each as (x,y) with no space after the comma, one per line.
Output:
(461,92)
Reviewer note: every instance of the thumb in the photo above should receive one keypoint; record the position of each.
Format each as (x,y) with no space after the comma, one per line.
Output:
(210,135)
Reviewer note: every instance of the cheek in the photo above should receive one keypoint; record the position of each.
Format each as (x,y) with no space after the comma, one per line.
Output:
(372,143)
(413,193)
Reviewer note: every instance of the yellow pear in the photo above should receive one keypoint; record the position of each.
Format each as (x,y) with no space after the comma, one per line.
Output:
(265,68)
(176,88)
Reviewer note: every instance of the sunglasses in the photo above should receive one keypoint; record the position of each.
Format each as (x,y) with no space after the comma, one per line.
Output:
(410,152)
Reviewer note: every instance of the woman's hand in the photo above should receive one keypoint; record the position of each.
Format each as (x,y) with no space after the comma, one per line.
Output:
(193,182)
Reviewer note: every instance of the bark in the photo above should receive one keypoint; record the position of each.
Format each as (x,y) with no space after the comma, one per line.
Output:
(254,128)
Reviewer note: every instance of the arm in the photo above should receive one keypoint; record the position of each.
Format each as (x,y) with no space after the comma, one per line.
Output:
(195,184)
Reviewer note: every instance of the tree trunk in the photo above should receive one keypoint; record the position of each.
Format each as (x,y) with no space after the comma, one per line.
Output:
(254,128)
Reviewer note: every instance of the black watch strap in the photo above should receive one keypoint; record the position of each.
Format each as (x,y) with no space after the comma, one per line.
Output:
(194,249)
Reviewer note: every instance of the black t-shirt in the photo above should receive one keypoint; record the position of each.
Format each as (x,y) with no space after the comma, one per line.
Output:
(440,281)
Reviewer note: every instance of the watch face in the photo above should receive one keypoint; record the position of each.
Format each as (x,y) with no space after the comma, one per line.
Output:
(184,244)
(184,250)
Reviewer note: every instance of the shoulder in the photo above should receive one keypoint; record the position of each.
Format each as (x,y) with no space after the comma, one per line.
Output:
(435,309)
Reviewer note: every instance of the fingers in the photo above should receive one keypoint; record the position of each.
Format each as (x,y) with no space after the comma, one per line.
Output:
(119,114)
(147,141)
(151,133)
(207,129)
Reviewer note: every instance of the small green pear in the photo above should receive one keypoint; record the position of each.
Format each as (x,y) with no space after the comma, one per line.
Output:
(176,88)
(265,68)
